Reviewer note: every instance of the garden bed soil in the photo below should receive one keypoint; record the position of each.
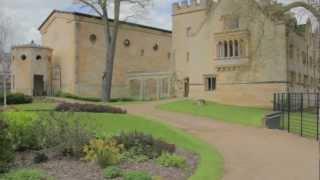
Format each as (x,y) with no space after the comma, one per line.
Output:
(65,168)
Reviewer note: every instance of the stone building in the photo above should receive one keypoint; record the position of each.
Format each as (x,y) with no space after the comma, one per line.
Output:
(236,52)
(228,51)
(72,59)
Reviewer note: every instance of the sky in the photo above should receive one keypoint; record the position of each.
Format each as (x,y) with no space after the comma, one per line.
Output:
(27,15)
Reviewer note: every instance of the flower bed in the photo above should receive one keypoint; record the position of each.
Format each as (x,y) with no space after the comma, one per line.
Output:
(77,107)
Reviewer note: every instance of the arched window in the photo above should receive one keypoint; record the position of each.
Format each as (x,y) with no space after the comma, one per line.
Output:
(242,48)
(230,48)
(236,48)
(225,48)
(220,49)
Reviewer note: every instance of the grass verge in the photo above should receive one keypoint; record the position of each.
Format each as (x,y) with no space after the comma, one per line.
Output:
(249,116)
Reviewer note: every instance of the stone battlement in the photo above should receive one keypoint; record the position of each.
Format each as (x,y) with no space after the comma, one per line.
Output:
(186,6)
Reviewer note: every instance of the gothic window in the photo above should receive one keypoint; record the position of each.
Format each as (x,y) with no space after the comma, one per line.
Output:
(230,48)
(242,48)
(236,48)
(220,49)
(225,48)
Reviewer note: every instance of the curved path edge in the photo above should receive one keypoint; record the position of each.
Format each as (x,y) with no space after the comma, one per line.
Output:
(249,153)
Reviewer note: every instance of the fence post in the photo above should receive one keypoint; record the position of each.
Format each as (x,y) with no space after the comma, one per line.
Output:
(282,109)
(301,115)
(289,106)
(274,101)
(317,116)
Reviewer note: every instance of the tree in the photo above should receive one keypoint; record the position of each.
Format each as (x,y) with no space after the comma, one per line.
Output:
(302,4)
(105,9)
(6,35)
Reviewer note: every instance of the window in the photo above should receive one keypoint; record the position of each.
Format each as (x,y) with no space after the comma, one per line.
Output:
(126,42)
(38,57)
(156,47)
(220,49)
(142,52)
(225,48)
(210,83)
(23,57)
(93,38)
(231,48)
(236,48)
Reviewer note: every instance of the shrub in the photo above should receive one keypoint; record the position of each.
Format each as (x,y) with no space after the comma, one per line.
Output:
(132,156)
(71,96)
(60,130)
(112,172)
(172,160)
(6,149)
(143,144)
(24,134)
(26,174)
(104,152)
(77,107)
(137,175)
(17,98)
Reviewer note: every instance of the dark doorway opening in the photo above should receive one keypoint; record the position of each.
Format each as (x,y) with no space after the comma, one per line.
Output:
(38,85)
(186,87)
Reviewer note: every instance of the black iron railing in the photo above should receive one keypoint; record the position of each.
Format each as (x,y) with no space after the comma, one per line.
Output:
(299,113)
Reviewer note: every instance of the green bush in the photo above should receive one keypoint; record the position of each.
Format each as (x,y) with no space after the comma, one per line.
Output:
(24,135)
(143,144)
(137,175)
(72,96)
(104,152)
(133,157)
(112,172)
(17,98)
(47,130)
(6,149)
(172,160)
(26,174)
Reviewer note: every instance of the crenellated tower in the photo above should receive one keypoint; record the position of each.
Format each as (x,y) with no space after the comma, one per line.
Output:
(186,6)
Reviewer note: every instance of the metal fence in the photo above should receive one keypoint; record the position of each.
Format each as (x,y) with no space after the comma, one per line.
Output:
(299,113)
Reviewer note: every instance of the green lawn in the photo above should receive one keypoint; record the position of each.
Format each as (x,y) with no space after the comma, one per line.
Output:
(250,116)
(211,162)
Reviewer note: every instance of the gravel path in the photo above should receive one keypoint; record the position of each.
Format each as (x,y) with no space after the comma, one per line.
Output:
(249,153)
